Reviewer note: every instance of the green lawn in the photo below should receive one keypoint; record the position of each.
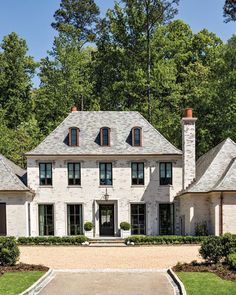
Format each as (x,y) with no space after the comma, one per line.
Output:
(199,283)
(13,283)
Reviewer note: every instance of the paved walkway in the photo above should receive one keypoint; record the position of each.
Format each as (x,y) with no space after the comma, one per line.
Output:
(61,257)
(109,283)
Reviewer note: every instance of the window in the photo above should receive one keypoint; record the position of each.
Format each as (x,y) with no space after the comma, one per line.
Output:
(137,173)
(46,220)
(105,136)
(166,219)
(74,136)
(138,219)
(105,173)
(74,174)
(165,173)
(45,173)
(74,220)
(137,136)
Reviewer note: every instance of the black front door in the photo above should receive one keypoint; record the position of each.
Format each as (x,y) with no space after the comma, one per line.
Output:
(106,220)
(3,226)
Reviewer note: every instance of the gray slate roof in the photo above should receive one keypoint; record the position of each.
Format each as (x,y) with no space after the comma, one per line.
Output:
(11,176)
(90,123)
(216,170)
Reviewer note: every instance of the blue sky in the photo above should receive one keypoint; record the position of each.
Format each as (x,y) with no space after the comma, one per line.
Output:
(31,19)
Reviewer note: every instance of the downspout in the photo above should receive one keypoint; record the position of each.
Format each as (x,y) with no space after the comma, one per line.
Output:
(221,214)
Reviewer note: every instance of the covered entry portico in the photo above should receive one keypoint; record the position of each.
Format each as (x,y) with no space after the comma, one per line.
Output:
(106,218)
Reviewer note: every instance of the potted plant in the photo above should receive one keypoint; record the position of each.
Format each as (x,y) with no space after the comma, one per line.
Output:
(88,226)
(124,229)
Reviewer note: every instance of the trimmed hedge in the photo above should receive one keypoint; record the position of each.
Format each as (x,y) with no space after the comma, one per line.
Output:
(231,260)
(163,240)
(72,240)
(9,251)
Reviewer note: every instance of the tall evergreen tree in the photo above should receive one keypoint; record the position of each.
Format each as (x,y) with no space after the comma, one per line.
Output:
(65,81)
(128,31)
(16,72)
(77,18)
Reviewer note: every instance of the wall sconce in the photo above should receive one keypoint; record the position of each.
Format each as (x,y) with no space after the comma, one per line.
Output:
(106,195)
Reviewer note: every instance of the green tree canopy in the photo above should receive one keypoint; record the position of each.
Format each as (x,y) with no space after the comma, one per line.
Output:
(77,18)
(230,10)
(16,72)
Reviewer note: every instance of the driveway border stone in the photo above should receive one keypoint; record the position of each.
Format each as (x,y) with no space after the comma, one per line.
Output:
(39,284)
(177,282)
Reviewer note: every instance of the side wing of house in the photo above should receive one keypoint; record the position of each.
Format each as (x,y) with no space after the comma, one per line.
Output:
(15,198)
(211,199)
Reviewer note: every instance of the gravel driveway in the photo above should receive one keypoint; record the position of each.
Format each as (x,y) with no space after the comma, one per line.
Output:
(152,257)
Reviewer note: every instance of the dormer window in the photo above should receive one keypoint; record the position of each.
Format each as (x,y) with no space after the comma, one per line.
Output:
(105,136)
(73,136)
(137,136)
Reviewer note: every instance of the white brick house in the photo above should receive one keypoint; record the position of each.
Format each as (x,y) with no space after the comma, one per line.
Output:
(108,167)
(118,179)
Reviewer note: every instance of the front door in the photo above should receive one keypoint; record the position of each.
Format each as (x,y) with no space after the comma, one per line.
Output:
(106,220)
(3,226)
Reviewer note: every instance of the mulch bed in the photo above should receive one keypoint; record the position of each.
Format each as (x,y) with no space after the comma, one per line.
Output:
(22,267)
(220,269)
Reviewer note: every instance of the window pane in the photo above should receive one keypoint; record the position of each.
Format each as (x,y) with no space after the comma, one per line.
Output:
(74,218)
(46,220)
(137,173)
(73,136)
(105,136)
(105,174)
(137,136)
(42,174)
(77,167)
(166,219)
(138,219)
(165,173)
(77,174)
(70,167)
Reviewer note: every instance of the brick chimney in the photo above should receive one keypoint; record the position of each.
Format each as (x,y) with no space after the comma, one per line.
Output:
(73,109)
(189,147)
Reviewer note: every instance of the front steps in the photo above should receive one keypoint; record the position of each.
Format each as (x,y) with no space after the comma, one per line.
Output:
(107,242)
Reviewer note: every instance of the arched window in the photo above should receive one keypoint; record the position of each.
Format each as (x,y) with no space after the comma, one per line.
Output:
(74,136)
(136,136)
(105,136)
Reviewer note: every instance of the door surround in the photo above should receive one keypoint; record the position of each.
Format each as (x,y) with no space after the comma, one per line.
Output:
(96,216)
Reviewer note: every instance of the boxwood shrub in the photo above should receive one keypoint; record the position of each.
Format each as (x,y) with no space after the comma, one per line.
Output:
(9,251)
(160,240)
(125,225)
(71,240)
(231,260)
(217,248)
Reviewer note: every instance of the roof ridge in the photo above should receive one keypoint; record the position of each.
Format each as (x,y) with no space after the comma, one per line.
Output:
(225,173)
(213,149)
(162,136)
(13,175)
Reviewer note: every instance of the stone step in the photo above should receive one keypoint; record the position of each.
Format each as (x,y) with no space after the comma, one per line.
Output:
(107,241)
(107,245)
